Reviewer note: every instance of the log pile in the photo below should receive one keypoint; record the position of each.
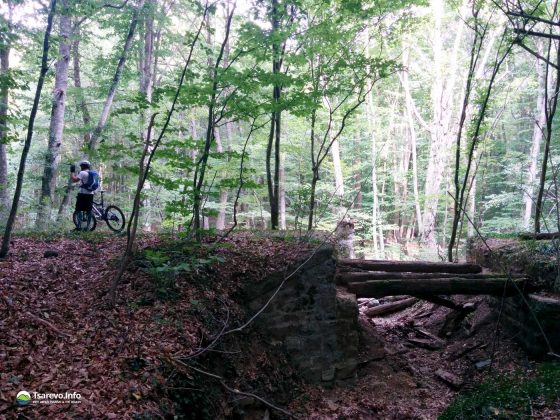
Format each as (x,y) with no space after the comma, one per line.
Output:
(375,279)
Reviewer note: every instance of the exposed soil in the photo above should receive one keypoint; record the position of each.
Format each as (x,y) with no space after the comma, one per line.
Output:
(397,380)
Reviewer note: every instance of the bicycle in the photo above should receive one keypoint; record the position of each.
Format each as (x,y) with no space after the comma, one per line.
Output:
(113,216)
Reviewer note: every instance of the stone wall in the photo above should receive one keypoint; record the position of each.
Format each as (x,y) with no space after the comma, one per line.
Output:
(317,327)
(534,260)
(520,322)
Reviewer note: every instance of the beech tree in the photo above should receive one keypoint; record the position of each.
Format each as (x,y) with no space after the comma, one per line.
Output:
(21,171)
(364,110)
(56,128)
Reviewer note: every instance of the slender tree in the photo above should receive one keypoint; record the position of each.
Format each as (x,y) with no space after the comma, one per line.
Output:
(21,171)
(116,78)
(56,127)
(5,47)
(551,102)
(536,139)
(202,162)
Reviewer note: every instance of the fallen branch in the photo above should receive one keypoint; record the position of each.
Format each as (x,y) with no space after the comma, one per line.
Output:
(46,324)
(390,307)
(222,382)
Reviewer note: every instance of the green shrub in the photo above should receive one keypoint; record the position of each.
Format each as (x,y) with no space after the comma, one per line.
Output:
(508,396)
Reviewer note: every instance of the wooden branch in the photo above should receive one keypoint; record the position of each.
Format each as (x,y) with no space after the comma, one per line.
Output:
(536,54)
(442,286)
(233,390)
(390,307)
(535,18)
(46,324)
(534,33)
(410,266)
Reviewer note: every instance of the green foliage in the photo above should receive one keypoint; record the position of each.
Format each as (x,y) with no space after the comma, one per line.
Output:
(508,396)
(174,260)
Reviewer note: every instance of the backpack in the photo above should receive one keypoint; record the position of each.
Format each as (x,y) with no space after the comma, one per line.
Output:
(92,182)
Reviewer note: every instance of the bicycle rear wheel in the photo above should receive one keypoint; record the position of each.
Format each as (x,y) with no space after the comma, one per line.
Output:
(84,225)
(114,218)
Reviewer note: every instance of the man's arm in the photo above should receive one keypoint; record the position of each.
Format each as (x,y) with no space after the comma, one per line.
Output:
(73,176)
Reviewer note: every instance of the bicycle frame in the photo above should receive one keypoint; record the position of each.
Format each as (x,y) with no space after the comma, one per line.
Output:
(98,209)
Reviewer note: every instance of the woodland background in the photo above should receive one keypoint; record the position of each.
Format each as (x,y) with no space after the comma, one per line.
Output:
(289,115)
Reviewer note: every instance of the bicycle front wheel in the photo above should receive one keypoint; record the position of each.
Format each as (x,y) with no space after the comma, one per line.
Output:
(114,218)
(84,225)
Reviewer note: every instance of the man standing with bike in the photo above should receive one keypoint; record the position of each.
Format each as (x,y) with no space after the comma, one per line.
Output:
(89,182)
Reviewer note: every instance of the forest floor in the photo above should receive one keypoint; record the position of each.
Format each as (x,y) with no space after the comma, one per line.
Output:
(59,334)
(399,380)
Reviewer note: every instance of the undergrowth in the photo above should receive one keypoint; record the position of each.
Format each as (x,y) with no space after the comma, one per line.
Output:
(173,259)
(511,396)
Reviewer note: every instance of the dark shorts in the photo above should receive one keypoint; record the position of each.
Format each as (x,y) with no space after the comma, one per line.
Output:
(84,202)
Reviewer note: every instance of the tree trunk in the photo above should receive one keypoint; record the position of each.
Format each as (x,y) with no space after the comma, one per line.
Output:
(21,171)
(4,93)
(441,135)
(147,61)
(441,286)
(538,129)
(83,108)
(437,150)
(282,198)
(409,266)
(412,132)
(376,223)
(221,219)
(200,171)
(312,198)
(357,164)
(145,86)
(550,110)
(116,78)
(338,178)
(274,136)
(56,128)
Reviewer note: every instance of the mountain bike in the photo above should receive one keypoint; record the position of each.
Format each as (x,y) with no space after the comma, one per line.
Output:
(113,216)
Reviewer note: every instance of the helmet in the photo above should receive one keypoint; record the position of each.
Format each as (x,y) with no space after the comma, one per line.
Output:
(85,163)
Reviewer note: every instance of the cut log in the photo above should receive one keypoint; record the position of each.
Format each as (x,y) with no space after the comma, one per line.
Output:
(390,307)
(410,266)
(343,278)
(441,286)
(540,236)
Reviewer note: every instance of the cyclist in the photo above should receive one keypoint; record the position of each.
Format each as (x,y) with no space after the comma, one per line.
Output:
(84,201)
